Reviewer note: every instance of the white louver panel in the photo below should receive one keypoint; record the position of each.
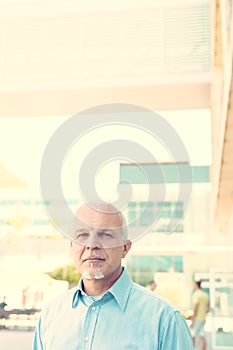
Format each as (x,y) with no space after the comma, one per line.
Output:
(105,47)
(186,39)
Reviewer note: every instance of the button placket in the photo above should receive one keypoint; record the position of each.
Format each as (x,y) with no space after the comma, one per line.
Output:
(91,319)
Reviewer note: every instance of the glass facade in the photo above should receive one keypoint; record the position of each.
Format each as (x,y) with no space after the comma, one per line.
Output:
(163,173)
(28,217)
(171,258)
(144,214)
(143,268)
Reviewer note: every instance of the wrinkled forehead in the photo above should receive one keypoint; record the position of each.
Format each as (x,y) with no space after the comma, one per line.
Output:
(101,216)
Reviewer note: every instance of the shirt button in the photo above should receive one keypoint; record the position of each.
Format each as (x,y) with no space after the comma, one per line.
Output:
(86,338)
(93,308)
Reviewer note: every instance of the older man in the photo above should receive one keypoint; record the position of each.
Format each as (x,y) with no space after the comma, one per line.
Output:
(107,310)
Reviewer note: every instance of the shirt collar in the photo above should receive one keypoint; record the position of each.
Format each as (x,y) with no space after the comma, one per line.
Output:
(119,290)
(78,291)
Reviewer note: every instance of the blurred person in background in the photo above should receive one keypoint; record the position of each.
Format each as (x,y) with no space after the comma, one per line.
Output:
(3,303)
(152,285)
(200,301)
(107,310)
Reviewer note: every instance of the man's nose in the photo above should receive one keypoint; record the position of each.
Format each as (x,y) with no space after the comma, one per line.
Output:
(93,242)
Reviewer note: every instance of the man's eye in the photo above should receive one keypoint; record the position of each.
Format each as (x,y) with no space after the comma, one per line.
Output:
(82,235)
(104,234)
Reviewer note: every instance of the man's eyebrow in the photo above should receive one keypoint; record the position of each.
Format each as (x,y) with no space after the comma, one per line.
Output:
(81,230)
(104,229)
(97,229)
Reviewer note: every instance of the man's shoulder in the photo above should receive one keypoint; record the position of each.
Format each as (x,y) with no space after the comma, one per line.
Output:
(151,306)
(150,298)
(62,299)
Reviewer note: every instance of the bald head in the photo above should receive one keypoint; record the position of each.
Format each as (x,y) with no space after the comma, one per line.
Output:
(101,215)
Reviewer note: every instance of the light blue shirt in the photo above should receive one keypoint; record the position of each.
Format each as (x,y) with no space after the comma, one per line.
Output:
(127,316)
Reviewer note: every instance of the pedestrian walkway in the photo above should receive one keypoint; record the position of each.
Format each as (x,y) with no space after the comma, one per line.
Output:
(20,340)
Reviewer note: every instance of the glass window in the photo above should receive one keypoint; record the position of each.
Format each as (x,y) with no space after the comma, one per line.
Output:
(143,268)
(145,214)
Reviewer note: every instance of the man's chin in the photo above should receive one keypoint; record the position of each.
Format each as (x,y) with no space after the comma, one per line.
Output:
(94,275)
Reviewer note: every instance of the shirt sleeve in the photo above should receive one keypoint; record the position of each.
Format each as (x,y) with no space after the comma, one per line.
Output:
(37,340)
(177,335)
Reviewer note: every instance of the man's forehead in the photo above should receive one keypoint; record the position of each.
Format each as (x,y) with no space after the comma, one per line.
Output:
(99,207)
(98,217)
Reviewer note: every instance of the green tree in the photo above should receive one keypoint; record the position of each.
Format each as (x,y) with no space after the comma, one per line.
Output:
(67,273)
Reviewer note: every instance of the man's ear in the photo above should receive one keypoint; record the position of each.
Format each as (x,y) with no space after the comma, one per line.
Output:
(127,247)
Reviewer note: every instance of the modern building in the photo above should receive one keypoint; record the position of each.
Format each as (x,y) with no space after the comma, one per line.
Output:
(62,57)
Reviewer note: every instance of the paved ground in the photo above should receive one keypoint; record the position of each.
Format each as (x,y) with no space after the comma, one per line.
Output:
(11,340)
(208,340)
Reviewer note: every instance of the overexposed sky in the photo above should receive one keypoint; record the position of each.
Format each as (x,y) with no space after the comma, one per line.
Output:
(23,141)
